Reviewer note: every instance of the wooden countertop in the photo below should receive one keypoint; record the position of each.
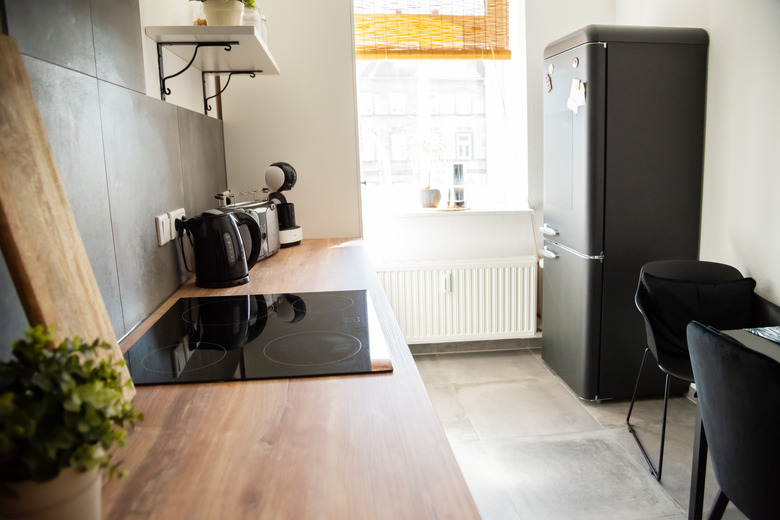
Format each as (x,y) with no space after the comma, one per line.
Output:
(364,446)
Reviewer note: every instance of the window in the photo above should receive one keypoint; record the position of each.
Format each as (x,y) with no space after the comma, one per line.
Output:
(463,103)
(398,150)
(367,150)
(463,145)
(432,29)
(397,104)
(365,104)
(437,100)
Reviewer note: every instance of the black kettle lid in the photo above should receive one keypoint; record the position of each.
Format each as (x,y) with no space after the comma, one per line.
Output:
(209,218)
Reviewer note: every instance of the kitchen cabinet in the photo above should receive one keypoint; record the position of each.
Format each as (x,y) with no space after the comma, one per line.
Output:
(215,51)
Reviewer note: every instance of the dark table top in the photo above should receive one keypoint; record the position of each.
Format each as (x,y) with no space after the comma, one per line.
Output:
(757,343)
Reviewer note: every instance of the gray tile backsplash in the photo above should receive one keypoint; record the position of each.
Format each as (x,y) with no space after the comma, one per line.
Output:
(123,157)
(68,102)
(202,160)
(58,32)
(12,318)
(118,50)
(141,141)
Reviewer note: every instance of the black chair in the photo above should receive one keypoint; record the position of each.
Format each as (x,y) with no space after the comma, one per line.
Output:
(739,398)
(671,294)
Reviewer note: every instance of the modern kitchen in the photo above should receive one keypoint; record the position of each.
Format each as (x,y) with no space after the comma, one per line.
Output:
(141,138)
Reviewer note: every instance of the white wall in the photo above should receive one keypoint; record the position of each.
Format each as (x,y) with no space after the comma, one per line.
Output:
(423,236)
(306,116)
(741,213)
(186,90)
(545,22)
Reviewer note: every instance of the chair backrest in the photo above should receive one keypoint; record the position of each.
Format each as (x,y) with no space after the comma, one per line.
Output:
(763,313)
(672,293)
(739,401)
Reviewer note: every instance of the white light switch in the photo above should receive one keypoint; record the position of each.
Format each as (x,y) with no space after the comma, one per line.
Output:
(163,225)
(172,216)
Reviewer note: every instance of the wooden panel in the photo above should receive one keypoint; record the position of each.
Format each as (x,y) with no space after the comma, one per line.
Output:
(38,234)
(362,446)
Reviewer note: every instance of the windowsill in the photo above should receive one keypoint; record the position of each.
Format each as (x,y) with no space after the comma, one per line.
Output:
(443,212)
(409,234)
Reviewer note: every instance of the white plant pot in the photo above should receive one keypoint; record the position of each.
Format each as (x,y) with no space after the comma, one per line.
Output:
(219,12)
(69,495)
(430,198)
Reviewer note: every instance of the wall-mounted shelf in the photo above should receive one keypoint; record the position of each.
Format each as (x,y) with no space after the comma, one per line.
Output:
(214,50)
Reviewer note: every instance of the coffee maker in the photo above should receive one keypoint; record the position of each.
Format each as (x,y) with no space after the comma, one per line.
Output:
(279,177)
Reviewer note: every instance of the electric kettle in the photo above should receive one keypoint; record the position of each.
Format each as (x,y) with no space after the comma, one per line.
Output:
(220,257)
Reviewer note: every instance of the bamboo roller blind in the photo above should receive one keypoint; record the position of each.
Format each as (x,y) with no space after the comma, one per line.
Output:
(431,29)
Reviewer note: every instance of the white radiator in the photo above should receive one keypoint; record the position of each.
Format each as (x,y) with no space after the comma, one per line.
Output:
(463,301)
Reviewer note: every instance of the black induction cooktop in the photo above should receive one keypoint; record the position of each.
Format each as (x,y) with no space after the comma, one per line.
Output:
(261,336)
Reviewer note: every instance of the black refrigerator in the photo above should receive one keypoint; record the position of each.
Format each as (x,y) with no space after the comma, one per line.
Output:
(624,111)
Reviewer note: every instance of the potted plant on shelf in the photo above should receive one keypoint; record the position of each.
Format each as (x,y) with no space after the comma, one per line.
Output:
(431,155)
(61,413)
(225,12)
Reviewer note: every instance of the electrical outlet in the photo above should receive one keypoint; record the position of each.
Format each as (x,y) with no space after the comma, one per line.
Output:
(172,216)
(163,225)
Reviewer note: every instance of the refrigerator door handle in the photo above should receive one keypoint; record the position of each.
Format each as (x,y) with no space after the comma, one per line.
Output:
(546,229)
(599,257)
(548,253)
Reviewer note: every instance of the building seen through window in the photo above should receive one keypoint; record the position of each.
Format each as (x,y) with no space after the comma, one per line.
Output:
(417,117)
(436,84)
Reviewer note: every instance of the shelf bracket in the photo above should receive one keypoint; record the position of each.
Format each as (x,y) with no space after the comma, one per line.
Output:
(231,73)
(165,91)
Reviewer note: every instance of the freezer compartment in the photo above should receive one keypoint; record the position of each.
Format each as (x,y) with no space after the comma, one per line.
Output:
(571,313)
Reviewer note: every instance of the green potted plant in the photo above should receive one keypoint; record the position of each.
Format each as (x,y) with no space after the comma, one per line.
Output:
(61,414)
(225,12)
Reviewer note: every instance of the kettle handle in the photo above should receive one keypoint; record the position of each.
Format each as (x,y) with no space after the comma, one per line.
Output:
(244,219)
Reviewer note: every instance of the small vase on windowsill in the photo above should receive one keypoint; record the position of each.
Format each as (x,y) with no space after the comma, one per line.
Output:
(430,197)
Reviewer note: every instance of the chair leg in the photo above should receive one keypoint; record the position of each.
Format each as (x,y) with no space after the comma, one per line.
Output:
(719,506)
(636,387)
(667,386)
(653,471)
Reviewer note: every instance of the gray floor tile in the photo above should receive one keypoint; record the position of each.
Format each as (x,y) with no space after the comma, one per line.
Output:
(486,482)
(522,408)
(451,414)
(529,448)
(647,413)
(678,449)
(577,476)
(646,420)
(486,367)
(431,370)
